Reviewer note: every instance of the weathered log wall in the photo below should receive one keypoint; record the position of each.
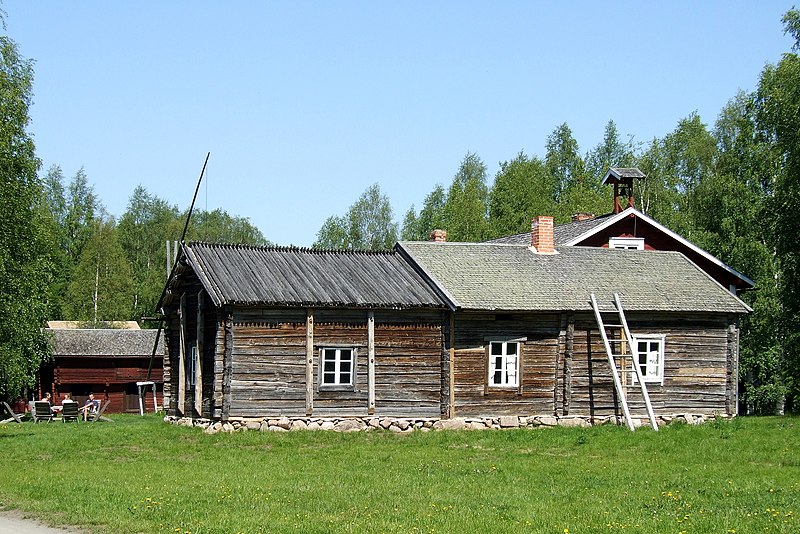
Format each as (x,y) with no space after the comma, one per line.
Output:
(565,370)
(408,348)
(268,362)
(695,367)
(100,370)
(539,349)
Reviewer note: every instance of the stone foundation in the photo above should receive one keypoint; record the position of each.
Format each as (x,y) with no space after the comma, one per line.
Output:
(404,426)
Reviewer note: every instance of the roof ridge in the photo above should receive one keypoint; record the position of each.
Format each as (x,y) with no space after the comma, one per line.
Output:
(292,248)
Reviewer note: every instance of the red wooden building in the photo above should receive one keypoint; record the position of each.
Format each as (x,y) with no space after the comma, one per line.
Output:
(106,362)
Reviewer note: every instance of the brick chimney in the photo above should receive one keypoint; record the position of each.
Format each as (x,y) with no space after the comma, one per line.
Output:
(582,216)
(542,234)
(438,236)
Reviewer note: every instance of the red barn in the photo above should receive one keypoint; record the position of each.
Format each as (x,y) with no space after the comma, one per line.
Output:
(107,362)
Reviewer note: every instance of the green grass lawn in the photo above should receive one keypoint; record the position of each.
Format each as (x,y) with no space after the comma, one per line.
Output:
(142,475)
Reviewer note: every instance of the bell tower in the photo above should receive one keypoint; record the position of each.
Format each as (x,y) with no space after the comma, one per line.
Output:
(622,178)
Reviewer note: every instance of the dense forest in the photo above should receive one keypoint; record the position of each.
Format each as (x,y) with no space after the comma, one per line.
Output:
(732,189)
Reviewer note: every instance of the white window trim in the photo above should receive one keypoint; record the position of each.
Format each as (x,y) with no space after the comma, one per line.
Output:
(629,243)
(661,339)
(337,369)
(505,382)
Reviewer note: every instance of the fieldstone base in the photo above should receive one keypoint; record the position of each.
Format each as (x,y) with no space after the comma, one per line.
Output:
(404,426)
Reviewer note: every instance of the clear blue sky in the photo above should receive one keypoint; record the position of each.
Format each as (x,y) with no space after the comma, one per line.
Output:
(303,105)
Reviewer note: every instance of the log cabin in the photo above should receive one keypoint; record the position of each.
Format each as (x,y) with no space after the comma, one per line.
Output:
(274,331)
(524,338)
(443,330)
(105,361)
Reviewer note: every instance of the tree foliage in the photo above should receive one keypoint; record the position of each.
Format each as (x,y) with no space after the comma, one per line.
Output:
(431,216)
(368,225)
(218,226)
(466,205)
(563,161)
(25,237)
(523,188)
(777,105)
(144,229)
(101,287)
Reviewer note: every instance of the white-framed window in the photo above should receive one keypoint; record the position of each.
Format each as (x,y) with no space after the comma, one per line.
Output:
(337,367)
(630,243)
(649,355)
(503,364)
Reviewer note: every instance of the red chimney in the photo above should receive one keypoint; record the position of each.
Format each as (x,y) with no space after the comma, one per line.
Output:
(438,236)
(582,216)
(542,234)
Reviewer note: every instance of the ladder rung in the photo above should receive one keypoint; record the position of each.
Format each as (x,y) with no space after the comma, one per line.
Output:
(613,326)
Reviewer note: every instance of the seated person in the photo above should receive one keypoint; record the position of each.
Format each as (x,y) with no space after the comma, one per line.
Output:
(48,398)
(67,398)
(91,406)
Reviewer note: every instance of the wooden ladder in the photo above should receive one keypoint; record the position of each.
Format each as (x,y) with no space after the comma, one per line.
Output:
(620,348)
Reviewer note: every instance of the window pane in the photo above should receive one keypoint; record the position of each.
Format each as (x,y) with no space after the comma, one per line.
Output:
(344,378)
(511,348)
(498,377)
(345,354)
(330,366)
(329,378)
(344,367)
(496,348)
(650,357)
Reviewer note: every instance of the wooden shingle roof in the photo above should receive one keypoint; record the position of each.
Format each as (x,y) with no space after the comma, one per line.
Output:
(488,276)
(104,342)
(290,276)
(562,233)
(622,173)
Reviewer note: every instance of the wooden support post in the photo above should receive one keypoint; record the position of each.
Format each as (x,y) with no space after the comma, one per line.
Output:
(309,361)
(182,358)
(452,392)
(227,368)
(198,368)
(568,354)
(370,362)
(732,371)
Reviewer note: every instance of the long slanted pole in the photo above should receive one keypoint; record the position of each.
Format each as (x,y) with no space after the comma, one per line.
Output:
(169,278)
(196,189)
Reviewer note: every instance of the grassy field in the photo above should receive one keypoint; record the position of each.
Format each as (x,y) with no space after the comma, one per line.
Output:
(141,475)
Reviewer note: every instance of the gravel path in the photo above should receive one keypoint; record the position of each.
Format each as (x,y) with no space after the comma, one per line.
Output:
(14,522)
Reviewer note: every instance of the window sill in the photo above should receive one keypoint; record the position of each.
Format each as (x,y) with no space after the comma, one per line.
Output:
(336,388)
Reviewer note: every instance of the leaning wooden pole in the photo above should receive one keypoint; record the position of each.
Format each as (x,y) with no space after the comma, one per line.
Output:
(172,267)
(194,198)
